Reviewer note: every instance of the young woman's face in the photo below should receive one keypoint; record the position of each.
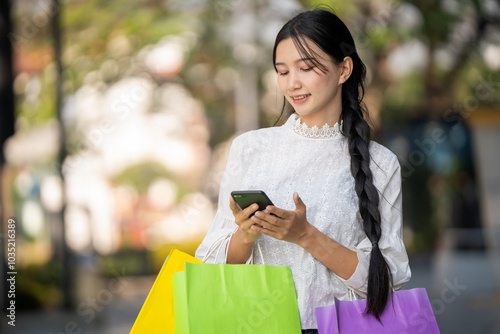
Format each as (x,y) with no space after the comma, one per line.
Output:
(313,94)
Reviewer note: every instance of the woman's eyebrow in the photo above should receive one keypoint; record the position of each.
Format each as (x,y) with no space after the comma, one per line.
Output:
(309,59)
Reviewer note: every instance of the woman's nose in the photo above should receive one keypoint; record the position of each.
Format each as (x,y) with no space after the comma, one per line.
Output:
(293,81)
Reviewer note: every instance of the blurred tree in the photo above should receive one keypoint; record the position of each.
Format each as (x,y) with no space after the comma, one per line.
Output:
(62,252)
(47,71)
(448,36)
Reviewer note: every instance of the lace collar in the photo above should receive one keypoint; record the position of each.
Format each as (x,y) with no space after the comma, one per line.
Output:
(326,132)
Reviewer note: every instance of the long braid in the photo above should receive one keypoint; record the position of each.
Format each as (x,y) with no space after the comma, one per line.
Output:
(358,137)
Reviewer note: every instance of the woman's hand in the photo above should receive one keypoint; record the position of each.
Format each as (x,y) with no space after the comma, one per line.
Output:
(241,218)
(291,226)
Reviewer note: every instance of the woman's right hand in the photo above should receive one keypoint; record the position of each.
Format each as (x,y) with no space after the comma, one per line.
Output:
(242,219)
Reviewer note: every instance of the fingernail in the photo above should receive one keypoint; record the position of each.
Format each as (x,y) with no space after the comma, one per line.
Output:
(255,219)
(258,214)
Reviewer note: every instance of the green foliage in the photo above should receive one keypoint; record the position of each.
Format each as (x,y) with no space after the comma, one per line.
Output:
(342,8)
(87,28)
(37,286)
(403,96)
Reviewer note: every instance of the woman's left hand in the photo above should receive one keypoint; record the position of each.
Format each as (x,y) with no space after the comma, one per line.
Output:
(281,224)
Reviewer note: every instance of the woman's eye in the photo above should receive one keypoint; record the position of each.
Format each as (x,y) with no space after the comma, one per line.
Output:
(307,69)
(282,73)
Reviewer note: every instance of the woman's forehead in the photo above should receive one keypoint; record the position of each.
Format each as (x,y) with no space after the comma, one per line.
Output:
(289,50)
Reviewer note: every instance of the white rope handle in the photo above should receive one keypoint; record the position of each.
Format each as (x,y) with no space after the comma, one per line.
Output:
(226,241)
(223,242)
(352,295)
(250,259)
(260,252)
(218,244)
(213,248)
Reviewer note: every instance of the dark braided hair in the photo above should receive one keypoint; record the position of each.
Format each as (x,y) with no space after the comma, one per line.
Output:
(327,31)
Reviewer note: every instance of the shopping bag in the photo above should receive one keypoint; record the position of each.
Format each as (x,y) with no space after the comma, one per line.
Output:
(157,312)
(180,303)
(235,299)
(407,312)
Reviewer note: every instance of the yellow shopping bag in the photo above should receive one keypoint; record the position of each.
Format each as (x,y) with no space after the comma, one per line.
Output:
(157,313)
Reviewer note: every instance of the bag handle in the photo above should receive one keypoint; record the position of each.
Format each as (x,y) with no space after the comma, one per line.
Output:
(218,244)
(352,295)
(223,242)
(250,259)
(260,252)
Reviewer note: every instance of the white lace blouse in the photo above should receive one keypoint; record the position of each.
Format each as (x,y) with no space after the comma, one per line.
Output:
(316,164)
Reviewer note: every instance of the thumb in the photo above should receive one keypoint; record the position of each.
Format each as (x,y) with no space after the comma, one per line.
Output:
(299,205)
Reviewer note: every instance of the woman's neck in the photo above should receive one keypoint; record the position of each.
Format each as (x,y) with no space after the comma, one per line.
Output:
(319,120)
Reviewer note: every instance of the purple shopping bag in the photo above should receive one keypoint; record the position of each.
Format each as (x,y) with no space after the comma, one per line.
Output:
(407,312)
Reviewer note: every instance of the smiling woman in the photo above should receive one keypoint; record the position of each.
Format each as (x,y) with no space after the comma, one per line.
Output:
(342,237)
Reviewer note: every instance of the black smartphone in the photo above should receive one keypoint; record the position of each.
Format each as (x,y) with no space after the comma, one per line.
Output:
(245,198)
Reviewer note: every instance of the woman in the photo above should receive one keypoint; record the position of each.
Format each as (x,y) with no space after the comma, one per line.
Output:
(342,237)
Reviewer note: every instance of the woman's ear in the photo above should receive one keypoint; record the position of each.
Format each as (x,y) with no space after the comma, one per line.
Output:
(345,69)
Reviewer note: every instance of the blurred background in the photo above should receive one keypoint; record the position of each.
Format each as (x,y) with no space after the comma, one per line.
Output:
(116,118)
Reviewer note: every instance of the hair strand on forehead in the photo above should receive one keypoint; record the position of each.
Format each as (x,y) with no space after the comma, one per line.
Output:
(302,45)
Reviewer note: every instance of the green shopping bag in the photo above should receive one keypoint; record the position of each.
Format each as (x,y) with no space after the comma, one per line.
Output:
(235,299)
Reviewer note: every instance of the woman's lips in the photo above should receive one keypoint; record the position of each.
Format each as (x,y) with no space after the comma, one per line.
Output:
(300,98)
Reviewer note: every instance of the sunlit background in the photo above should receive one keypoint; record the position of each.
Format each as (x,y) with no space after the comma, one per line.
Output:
(116,118)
